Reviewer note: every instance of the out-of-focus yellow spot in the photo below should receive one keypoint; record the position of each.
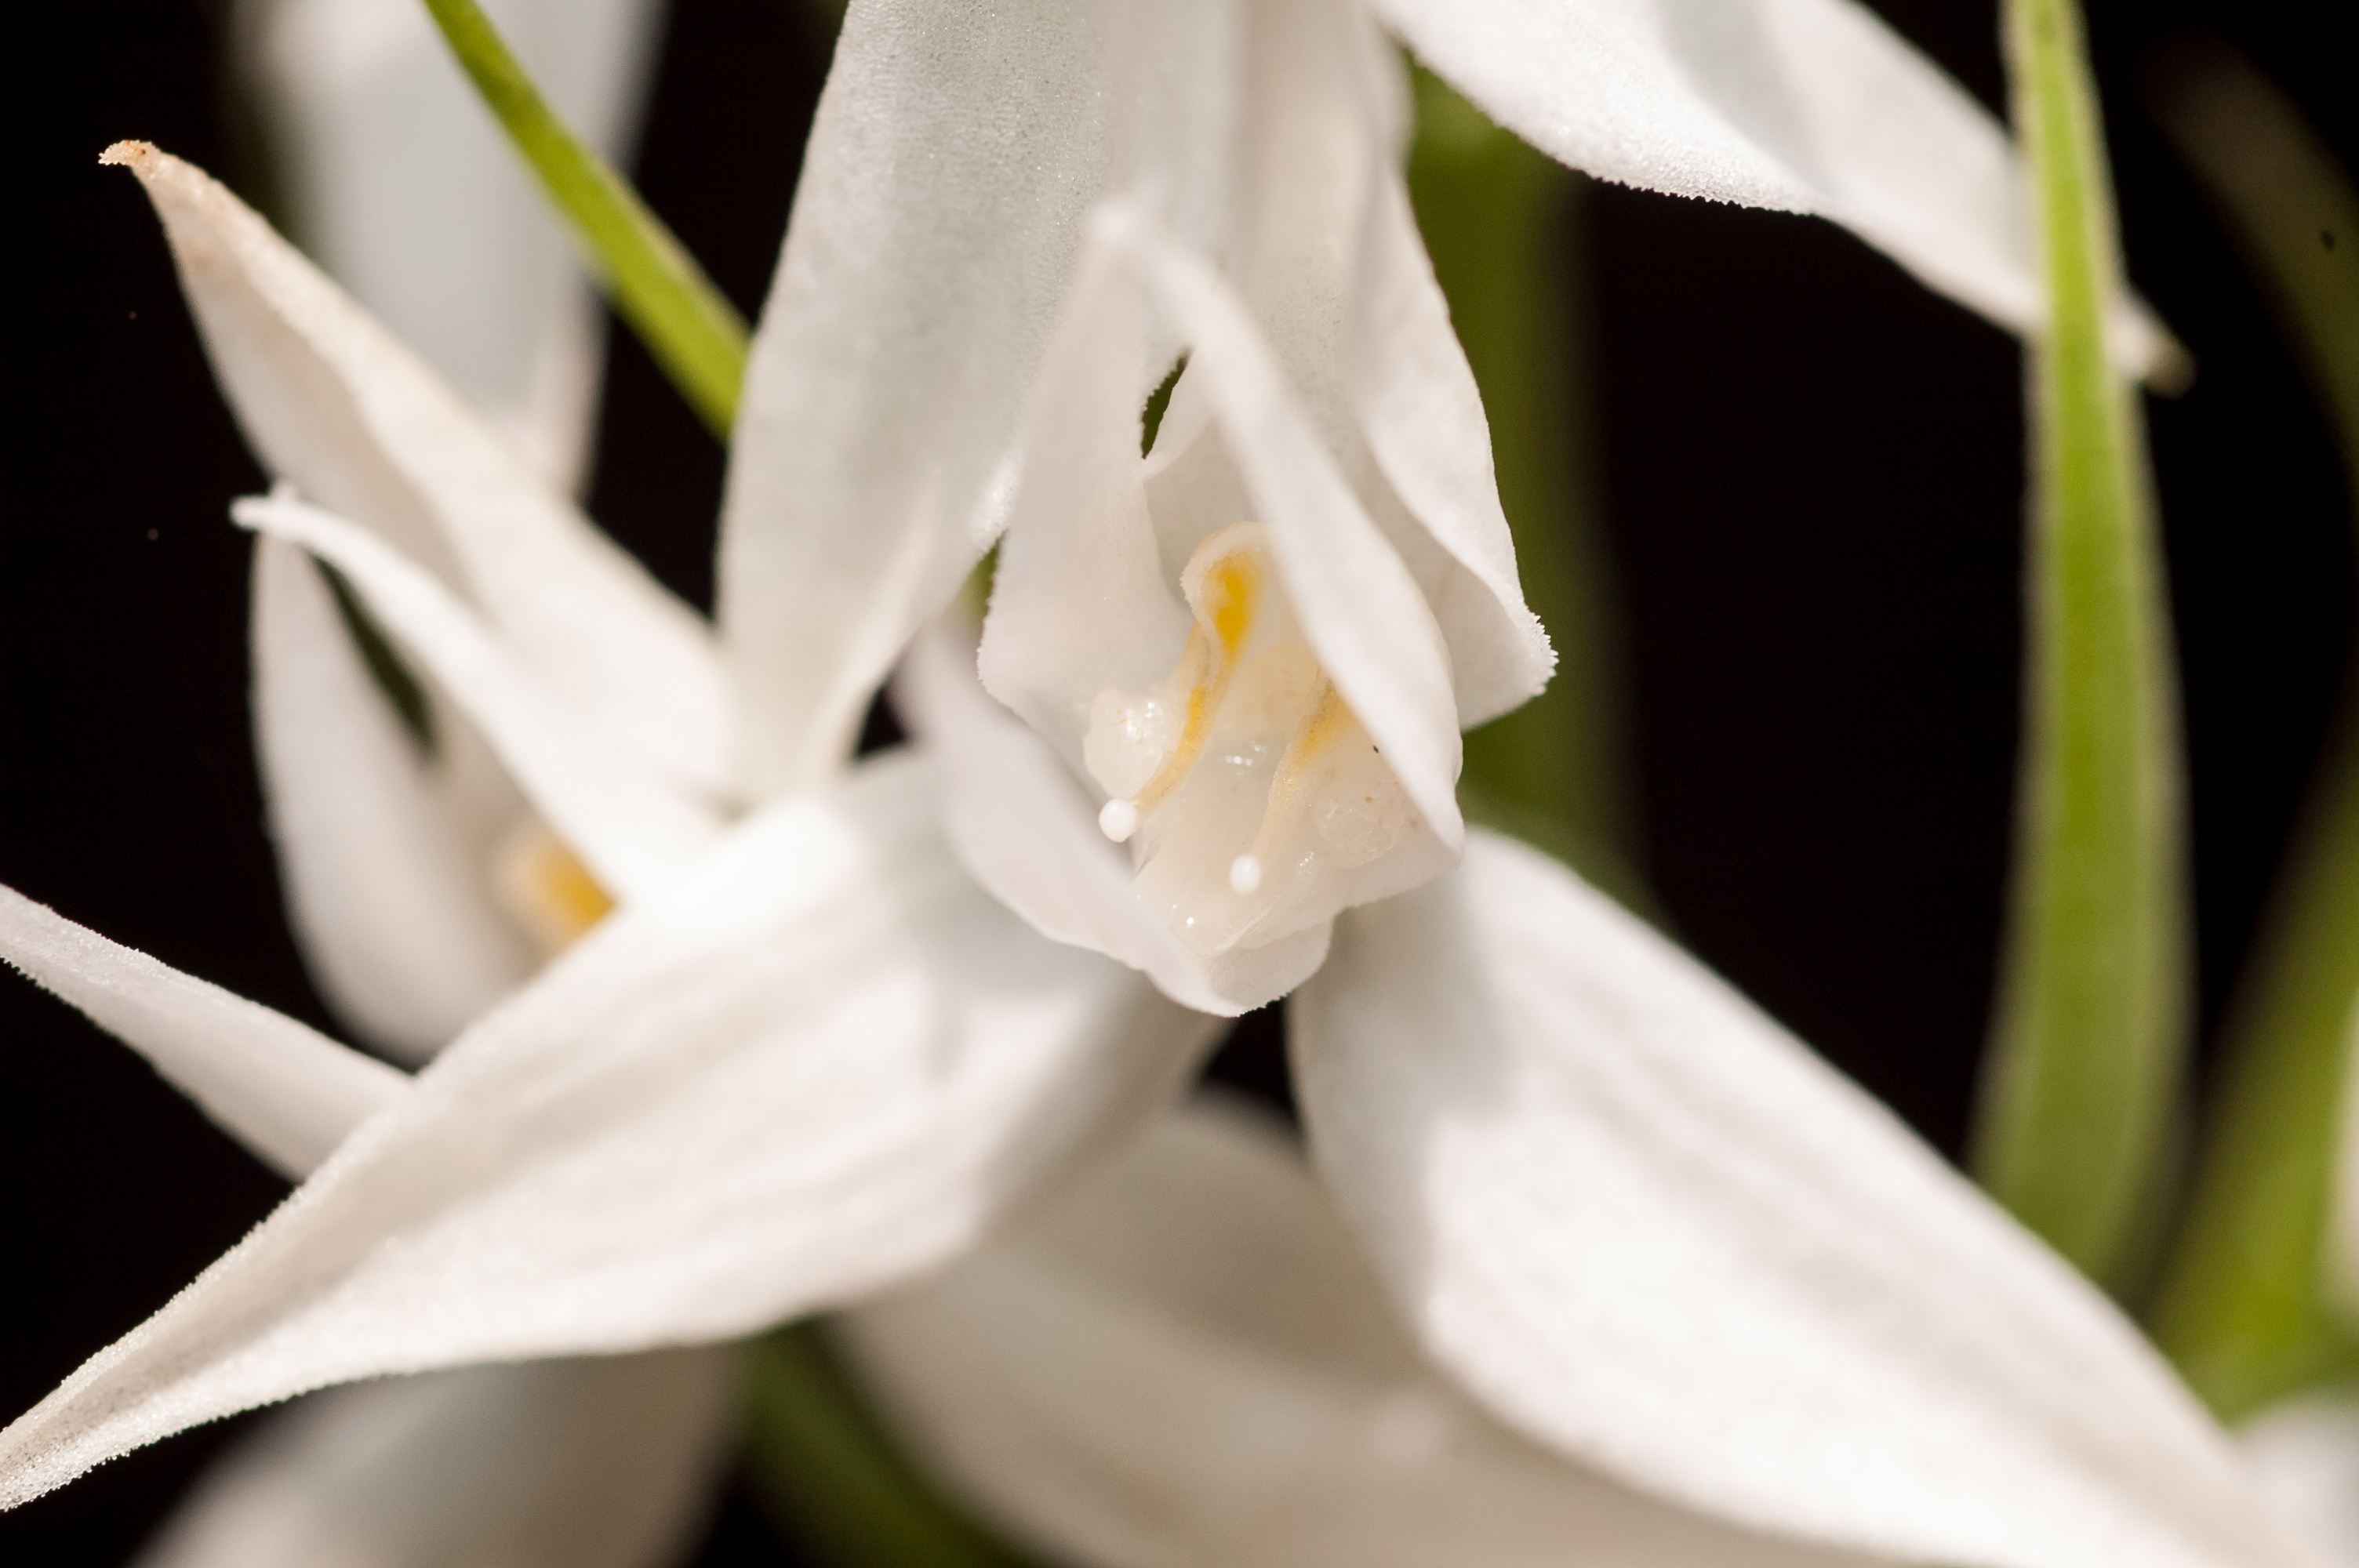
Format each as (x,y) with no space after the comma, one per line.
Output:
(545,887)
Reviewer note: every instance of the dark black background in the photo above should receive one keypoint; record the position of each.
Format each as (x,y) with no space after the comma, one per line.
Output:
(1813,475)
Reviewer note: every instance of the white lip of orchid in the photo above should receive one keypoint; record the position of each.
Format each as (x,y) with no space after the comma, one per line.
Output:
(1251,777)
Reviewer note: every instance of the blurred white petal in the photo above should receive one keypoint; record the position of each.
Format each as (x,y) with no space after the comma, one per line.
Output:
(606,1462)
(935,233)
(385,874)
(335,406)
(286,1092)
(1189,1361)
(816,1062)
(1647,1227)
(2304,1453)
(630,827)
(408,192)
(1806,105)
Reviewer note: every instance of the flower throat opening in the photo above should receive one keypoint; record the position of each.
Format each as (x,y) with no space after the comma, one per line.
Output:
(1243,781)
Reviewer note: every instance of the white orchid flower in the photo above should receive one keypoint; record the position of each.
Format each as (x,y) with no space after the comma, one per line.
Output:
(403,186)
(2305,1451)
(807,1055)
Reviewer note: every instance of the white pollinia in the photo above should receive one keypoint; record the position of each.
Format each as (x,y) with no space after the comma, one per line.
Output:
(844,1019)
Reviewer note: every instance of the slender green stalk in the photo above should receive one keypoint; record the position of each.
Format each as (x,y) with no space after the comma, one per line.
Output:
(694,333)
(2244,1308)
(2088,1040)
(833,1479)
(1501,223)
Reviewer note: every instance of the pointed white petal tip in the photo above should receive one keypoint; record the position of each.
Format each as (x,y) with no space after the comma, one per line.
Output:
(1244,875)
(1118,820)
(130,155)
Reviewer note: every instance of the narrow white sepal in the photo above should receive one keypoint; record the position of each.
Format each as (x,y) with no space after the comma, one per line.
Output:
(1805,105)
(335,406)
(1645,1225)
(816,1062)
(629,826)
(385,873)
(286,1092)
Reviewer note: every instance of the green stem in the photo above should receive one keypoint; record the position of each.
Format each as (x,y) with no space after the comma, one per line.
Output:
(2087,1039)
(835,1480)
(1501,223)
(694,333)
(2245,1308)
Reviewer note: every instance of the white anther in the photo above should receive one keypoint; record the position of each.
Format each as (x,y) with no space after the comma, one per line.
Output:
(1244,875)
(1118,820)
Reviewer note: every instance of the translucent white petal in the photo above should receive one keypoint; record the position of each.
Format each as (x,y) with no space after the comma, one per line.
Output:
(336,406)
(629,826)
(1806,105)
(406,191)
(1361,611)
(935,233)
(287,1093)
(386,884)
(818,1062)
(1188,1360)
(2304,1455)
(1020,825)
(588,1463)
(1645,1225)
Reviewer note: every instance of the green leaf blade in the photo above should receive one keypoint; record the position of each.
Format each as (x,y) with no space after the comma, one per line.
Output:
(689,327)
(2089,1036)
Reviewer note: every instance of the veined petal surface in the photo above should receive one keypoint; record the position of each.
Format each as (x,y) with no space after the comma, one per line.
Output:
(1805,105)
(818,1061)
(335,406)
(630,827)
(936,229)
(406,191)
(285,1091)
(385,876)
(604,1461)
(1645,1226)
(1188,1360)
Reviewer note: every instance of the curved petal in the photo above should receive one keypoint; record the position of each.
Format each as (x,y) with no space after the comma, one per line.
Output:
(1188,1360)
(631,827)
(2304,1455)
(386,887)
(1360,609)
(1647,1227)
(936,231)
(1021,827)
(408,193)
(1804,105)
(600,1463)
(816,1062)
(287,1093)
(334,405)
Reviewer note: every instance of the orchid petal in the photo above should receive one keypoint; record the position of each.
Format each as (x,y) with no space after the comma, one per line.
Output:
(2304,1455)
(409,195)
(1649,1227)
(820,1060)
(351,418)
(1803,105)
(1361,611)
(596,1463)
(1021,827)
(1188,1360)
(935,233)
(629,827)
(386,884)
(286,1092)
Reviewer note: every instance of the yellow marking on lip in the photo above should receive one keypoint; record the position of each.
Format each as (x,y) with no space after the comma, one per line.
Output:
(546,888)
(1226,594)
